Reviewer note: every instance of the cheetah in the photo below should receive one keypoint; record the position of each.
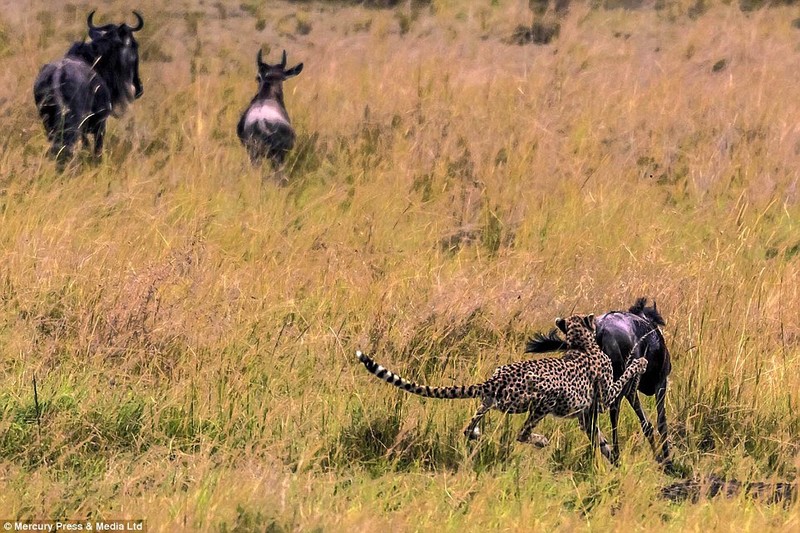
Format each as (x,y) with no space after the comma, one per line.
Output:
(562,386)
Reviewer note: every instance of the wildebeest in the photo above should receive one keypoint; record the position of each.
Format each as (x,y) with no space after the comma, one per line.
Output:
(624,336)
(265,128)
(76,94)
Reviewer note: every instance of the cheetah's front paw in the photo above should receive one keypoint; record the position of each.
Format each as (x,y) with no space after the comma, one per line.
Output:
(640,365)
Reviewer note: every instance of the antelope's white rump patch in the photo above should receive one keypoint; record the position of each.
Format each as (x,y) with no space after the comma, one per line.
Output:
(267,111)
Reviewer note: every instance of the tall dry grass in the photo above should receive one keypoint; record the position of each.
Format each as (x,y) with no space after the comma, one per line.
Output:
(191,324)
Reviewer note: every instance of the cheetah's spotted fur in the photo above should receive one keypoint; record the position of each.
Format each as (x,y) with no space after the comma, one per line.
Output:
(562,386)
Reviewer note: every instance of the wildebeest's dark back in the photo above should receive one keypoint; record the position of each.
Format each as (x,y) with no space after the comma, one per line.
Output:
(69,97)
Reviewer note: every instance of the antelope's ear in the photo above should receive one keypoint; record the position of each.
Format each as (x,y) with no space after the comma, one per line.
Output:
(561,324)
(589,321)
(294,71)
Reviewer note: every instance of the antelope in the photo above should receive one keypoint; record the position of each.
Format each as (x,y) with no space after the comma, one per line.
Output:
(265,128)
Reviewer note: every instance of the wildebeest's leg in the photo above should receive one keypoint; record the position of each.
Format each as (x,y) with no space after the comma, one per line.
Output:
(526,433)
(99,136)
(45,100)
(64,144)
(472,431)
(613,414)
(52,122)
(637,367)
(585,420)
(55,124)
(661,397)
(647,428)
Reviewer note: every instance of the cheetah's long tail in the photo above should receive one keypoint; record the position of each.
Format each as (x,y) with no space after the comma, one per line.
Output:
(470,391)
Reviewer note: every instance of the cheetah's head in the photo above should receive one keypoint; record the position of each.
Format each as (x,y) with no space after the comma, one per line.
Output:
(580,331)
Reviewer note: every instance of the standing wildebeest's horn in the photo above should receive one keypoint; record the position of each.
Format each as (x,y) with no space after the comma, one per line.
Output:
(140,22)
(259,61)
(96,31)
(89,21)
(283,59)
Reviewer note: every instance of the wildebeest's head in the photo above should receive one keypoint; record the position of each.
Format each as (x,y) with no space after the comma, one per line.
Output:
(120,53)
(650,313)
(270,77)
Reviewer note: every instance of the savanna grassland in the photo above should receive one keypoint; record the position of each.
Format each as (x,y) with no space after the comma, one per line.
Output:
(191,322)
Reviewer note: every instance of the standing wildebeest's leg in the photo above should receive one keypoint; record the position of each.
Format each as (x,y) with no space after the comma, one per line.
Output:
(661,397)
(55,115)
(93,127)
(96,118)
(647,428)
(60,111)
(615,348)
(98,129)
(70,132)
(631,394)
(53,123)
(472,432)
(65,138)
(99,137)
(45,101)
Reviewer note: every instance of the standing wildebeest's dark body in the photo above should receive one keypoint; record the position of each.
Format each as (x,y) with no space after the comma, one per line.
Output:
(76,94)
(265,128)
(624,336)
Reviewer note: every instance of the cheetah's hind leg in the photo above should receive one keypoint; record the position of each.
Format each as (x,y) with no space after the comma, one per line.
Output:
(526,433)
(585,420)
(473,431)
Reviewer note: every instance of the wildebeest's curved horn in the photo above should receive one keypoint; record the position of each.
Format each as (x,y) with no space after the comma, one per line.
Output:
(89,21)
(259,61)
(283,59)
(96,31)
(140,22)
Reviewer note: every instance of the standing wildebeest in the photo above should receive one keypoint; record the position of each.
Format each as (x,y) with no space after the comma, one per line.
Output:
(265,128)
(76,94)
(624,336)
